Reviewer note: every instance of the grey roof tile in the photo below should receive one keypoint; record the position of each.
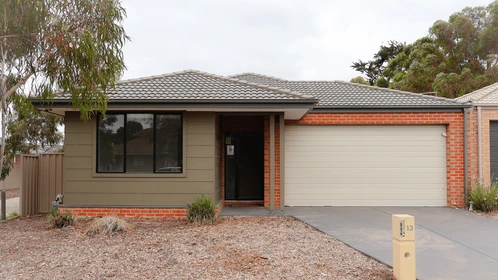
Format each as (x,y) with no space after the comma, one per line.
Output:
(485,95)
(339,94)
(195,85)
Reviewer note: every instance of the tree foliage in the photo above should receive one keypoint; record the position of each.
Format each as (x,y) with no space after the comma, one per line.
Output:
(33,130)
(359,80)
(70,47)
(374,69)
(456,57)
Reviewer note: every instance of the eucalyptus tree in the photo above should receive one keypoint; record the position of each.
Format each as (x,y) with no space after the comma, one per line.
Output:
(72,47)
(456,57)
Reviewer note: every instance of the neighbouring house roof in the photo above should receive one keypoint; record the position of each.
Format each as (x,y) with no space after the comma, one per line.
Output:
(344,95)
(485,96)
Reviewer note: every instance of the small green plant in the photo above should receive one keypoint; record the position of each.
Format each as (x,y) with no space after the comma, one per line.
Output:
(484,197)
(60,219)
(13,214)
(107,225)
(201,211)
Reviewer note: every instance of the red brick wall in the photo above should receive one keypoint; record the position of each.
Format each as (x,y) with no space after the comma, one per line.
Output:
(128,212)
(267,162)
(454,140)
(488,114)
(472,147)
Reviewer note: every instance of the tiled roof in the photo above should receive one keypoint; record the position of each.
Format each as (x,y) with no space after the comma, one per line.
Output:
(195,85)
(339,94)
(485,95)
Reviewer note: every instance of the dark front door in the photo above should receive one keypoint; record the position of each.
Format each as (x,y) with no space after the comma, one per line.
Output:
(244,167)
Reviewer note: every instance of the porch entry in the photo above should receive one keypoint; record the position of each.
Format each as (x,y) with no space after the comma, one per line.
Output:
(244,166)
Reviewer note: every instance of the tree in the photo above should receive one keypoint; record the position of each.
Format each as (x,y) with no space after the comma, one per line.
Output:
(458,56)
(69,46)
(32,130)
(359,80)
(374,69)
(414,68)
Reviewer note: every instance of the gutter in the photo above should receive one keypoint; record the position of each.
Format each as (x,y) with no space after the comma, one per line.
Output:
(67,102)
(388,109)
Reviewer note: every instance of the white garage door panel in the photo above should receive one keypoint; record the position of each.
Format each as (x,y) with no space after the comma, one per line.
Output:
(365,165)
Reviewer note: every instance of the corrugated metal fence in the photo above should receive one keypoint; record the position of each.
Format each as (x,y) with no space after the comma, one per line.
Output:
(42,177)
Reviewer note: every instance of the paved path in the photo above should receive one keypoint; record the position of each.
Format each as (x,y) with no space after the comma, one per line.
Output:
(450,243)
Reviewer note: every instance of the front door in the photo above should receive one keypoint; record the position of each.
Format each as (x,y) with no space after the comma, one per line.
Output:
(244,167)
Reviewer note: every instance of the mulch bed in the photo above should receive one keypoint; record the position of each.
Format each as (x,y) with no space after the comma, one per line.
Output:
(166,248)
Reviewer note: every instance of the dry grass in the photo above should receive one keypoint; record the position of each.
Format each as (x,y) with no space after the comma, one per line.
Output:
(107,225)
(232,248)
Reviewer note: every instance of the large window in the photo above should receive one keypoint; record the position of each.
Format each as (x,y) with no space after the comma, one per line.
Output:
(139,143)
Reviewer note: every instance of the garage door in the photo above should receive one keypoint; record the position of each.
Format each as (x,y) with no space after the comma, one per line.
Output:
(365,165)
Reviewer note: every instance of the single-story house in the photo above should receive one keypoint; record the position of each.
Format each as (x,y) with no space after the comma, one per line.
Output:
(483,134)
(256,139)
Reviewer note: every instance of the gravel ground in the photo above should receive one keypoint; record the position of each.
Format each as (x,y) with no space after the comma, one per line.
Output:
(11,193)
(492,215)
(233,248)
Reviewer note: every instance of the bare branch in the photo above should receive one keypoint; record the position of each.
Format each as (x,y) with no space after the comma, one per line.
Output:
(19,84)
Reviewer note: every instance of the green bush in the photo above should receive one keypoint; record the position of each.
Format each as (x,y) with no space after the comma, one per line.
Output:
(58,219)
(201,211)
(484,197)
(13,214)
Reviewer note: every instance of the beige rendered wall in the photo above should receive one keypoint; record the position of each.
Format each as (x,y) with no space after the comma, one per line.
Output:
(487,114)
(84,187)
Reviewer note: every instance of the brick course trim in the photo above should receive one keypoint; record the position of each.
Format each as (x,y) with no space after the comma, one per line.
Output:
(455,178)
(129,212)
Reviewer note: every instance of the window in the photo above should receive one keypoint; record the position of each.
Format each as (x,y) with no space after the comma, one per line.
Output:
(140,143)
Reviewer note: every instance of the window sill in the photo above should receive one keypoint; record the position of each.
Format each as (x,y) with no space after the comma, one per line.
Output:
(138,175)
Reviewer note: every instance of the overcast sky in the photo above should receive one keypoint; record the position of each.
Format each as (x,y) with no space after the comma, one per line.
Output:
(309,39)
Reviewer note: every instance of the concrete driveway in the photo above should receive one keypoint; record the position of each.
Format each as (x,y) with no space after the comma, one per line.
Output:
(450,243)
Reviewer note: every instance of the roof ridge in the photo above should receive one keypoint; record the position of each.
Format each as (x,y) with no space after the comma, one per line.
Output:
(153,77)
(469,95)
(224,78)
(258,75)
(261,86)
(352,84)
(398,91)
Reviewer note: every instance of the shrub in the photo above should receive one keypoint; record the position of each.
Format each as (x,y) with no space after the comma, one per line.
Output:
(484,197)
(107,225)
(201,210)
(13,214)
(60,219)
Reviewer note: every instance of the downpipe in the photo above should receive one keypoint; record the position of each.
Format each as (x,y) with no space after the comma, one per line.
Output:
(4,207)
